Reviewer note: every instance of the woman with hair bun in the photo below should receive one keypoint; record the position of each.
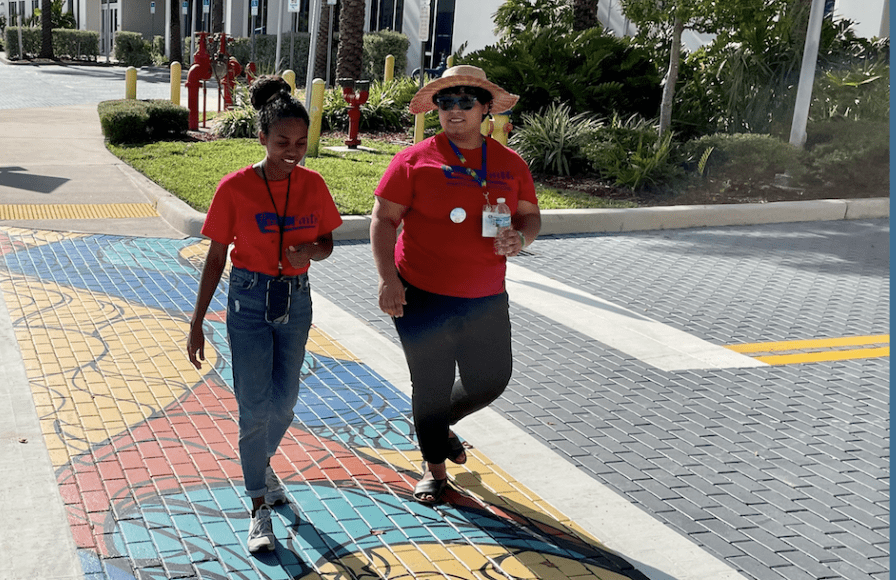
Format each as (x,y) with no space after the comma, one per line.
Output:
(278,217)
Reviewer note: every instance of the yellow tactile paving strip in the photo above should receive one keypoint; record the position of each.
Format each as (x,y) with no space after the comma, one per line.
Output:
(59,211)
(816,350)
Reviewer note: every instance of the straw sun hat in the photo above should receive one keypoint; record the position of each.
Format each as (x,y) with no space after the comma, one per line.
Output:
(462,76)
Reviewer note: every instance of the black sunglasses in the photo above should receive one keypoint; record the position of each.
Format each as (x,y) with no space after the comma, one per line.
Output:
(447,103)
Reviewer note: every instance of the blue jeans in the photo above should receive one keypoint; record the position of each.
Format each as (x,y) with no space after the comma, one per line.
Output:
(267,367)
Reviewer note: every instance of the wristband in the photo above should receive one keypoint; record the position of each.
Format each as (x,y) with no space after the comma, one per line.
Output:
(522,238)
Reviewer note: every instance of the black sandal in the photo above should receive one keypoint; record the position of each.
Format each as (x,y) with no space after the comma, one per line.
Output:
(456,449)
(434,488)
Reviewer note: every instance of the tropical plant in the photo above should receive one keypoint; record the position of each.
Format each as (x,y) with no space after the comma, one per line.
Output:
(552,142)
(590,71)
(516,16)
(631,153)
(241,120)
(860,92)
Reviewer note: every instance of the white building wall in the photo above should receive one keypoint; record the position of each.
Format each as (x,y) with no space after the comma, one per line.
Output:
(871,17)
(474,24)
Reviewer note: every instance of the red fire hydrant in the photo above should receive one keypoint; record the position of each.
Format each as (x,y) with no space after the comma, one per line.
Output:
(200,71)
(355,94)
(226,70)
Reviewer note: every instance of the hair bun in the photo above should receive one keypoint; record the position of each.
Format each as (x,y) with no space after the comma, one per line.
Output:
(268,88)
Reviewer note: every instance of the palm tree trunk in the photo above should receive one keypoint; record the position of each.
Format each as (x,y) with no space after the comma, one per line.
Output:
(217,16)
(351,40)
(320,53)
(584,14)
(46,29)
(177,43)
(671,77)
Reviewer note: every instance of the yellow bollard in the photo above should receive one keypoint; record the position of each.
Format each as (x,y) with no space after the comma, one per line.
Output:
(449,62)
(290,77)
(318,88)
(418,127)
(389,71)
(130,83)
(175,82)
(500,128)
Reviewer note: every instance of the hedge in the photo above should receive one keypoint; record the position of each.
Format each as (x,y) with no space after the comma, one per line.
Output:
(133,121)
(73,44)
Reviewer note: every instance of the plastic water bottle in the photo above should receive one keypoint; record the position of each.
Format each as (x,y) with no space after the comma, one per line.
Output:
(502,219)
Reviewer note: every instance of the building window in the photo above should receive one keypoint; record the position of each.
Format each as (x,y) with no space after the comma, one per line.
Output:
(386,15)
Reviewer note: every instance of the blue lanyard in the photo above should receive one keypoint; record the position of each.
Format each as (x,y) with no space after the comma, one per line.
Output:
(479,175)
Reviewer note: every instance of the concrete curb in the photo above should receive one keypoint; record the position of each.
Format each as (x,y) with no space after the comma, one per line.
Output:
(583,221)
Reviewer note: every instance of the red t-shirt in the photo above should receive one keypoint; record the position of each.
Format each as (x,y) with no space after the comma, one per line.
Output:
(242,214)
(433,252)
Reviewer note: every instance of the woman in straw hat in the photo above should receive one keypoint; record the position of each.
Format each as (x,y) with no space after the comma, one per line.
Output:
(442,277)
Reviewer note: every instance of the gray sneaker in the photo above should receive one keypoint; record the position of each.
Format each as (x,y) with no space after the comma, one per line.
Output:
(275,495)
(261,530)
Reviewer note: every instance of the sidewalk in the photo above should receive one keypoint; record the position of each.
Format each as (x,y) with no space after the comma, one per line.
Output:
(136,463)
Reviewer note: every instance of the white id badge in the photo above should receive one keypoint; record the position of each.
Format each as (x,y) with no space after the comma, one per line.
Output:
(489,222)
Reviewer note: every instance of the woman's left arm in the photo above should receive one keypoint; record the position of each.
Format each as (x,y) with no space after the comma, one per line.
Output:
(301,255)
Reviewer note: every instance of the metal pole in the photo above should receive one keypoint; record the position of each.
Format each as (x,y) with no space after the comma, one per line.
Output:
(292,40)
(807,75)
(20,20)
(314,23)
(279,36)
(330,44)
(196,8)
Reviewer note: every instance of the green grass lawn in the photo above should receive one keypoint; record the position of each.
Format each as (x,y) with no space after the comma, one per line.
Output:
(191,171)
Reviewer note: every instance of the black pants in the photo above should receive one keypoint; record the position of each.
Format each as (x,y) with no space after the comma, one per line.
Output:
(440,334)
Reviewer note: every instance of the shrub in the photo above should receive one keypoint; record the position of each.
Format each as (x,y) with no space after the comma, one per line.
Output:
(166,119)
(847,154)
(379,45)
(628,153)
(30,42)
(133,121)
(132,50)
(745,157)
(76,44)
(124,121)
(552,142)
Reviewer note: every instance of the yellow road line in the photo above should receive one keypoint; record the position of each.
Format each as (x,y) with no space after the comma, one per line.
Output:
(806,344)
(76,211)
(816,350)
(828,355)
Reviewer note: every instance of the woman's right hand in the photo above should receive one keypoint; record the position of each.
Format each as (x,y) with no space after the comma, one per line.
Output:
(392,299)
(196,345)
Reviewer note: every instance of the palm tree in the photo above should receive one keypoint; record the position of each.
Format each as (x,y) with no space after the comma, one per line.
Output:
(46,29)
(351,40)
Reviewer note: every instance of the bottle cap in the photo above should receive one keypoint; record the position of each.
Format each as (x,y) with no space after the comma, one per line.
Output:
(501,200)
